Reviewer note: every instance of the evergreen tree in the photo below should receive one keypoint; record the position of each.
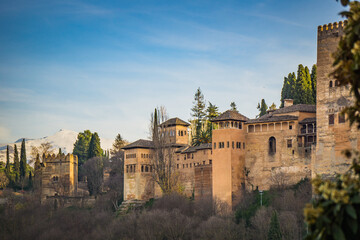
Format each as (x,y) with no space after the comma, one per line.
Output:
(118,144)
(7,167)
(262,108)
(212,112)
(309,99)
(300,95)
(16,164)
(23,160)
(60,153)
(274,230)
(81,146)
(198,112)
(30,182)
(233,106)
(37,172)
(273,106)
(94,146)
(313,81)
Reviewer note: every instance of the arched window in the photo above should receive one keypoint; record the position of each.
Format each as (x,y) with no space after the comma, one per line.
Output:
(330,84)
(272,145)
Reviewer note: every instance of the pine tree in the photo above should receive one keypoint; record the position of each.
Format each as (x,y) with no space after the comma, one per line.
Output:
(313,81)
(274,230)
(23,160)
(198,111)
(81,146)
(94,146)
(7,167)
(233,106)
(118,144)
(16,164)
(262,108)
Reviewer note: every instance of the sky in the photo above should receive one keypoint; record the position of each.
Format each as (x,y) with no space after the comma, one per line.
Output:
(105,65)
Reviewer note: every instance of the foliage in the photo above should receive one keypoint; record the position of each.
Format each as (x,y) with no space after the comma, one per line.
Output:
(16,164)
(233,106)
(23,160)
(212,112)
(81,146)
(262,107)
(198,112)
(347,58)
(7,166)
(94,146)
(300,88)
(272,107)
(94,172)
(335,212)
(274,230)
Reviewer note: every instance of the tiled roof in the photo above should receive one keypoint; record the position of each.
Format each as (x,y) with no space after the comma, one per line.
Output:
(141,143)
(196,148)
(308,120)
(174,122)
(272,118)
(296,108)
(230,115)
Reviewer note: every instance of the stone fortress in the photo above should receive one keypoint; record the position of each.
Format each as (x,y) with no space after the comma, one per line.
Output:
(281,147)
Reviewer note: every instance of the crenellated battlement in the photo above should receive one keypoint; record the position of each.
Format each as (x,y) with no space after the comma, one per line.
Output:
(61,158)
(331,30)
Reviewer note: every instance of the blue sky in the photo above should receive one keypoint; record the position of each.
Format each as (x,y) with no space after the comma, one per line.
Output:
(105,65)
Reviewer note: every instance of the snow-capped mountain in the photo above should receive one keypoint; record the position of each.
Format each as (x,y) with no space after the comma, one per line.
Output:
(63,139)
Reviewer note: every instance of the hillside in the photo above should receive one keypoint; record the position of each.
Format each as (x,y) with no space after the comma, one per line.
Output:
(63,139)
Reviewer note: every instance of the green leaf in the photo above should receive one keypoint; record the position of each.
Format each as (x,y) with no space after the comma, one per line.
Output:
(352,224)
(338,233)
(350,210)
(355,199)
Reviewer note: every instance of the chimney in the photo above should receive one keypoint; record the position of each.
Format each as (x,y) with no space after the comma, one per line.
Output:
(288,102)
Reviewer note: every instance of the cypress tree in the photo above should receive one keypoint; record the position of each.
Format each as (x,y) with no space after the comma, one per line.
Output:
(60,153)
(198,111)
(16,164)
(274,230)
(284,91)
(262,108)
(7,167)
(313,81)
(94,146)
(23,160)
(309,99)
(37,172)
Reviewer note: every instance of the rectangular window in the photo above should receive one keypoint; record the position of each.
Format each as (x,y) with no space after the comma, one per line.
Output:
(341,118)
(240,126)
(183,165)
(233,145)
(177,166)
(290,127)
(190,165)
(210,161)
(214,145)
(203,162)
(243,145)
(228,144)
(331,119)
(289,143)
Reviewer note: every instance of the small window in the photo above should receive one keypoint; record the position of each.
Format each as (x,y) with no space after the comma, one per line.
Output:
(290,127)
(190,165)
(146,168)
(331,119)
(272,145)
(228,144)
(289,143)
(337,83)
(240,126)
(142,168)
(341,118)
(214,145)
(177,166)
(243,145)
(187,165)
(192,156)
(203,162)
(330,84)
(183,165)
(233,145)
(210,161)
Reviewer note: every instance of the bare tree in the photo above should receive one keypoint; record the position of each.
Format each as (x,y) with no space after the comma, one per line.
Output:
(44,149)
(164,153)
(94,171)
(279,179)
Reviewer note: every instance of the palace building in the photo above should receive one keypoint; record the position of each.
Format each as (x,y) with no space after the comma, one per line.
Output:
(282,147)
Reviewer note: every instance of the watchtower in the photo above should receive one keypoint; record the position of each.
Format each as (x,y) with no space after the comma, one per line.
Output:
(333,131)
(228,139)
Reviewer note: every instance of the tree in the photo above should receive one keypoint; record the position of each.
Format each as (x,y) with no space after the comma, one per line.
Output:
(16,164)
(81,146)
(262,108)
(7,166)
(44,150)
(313,81)
(23,160)
(94,146)
(163,159)
(198,112)
(37,172)
(94,172)
(233,106)
(274,230)
(347,58)
(273,106)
